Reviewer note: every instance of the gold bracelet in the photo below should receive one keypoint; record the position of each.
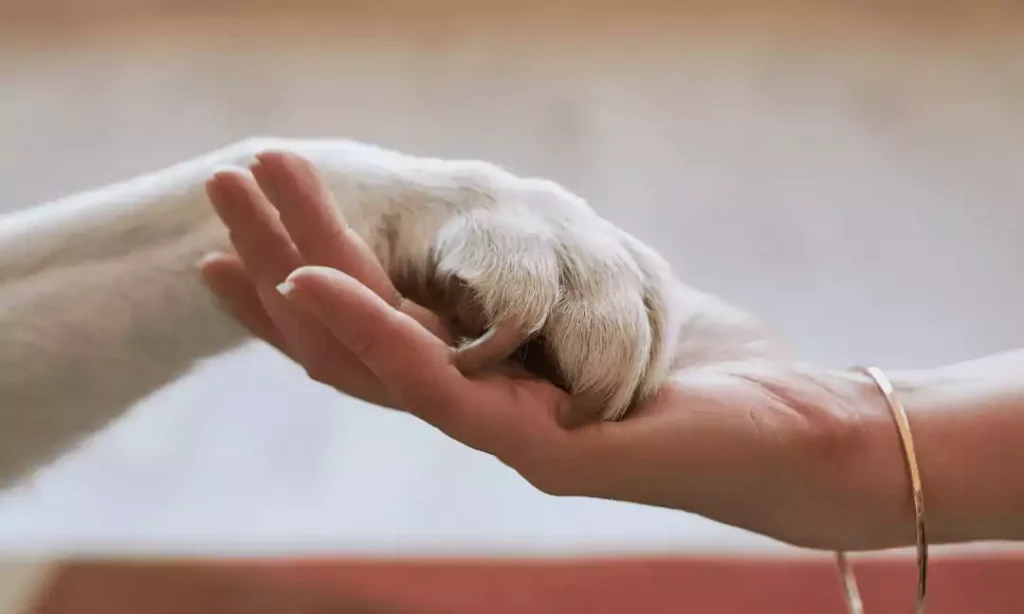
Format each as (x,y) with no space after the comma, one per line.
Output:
(852,594)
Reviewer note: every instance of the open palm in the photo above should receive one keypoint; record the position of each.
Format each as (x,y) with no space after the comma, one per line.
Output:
(741,433)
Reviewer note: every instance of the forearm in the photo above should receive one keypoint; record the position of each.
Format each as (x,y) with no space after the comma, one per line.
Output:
(81,345)
(968,424)
(110,222)
(967,421)
(102,303)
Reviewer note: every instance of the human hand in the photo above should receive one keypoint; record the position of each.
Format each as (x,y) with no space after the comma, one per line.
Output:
(296,234)
(740,433)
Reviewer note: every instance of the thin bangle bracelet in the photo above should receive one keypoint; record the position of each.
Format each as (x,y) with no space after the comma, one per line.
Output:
(851,592)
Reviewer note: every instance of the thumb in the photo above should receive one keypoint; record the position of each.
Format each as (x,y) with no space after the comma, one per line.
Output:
(412,363)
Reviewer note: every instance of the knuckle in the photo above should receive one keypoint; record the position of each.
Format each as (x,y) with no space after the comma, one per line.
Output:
(318,361)
(551,479)
(317,235)
(368,342)
(319,372)
(329,233)
(425,398)
(548,485)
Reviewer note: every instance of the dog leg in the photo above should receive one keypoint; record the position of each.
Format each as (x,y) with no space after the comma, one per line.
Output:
(102,303)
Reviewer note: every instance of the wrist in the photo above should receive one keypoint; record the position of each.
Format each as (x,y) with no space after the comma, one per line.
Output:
(963,429)
(868,479)
(967,423)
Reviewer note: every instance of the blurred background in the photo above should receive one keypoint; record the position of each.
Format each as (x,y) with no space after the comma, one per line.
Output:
(853,171)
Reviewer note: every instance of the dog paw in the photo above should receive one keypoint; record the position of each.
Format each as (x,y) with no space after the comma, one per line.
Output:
(533,273)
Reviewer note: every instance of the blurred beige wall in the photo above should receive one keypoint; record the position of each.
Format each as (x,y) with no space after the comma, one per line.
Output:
(854,174)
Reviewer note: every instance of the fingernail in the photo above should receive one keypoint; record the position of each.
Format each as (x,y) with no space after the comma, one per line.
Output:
(286,287)
(227,170)
(208,258)
(312,270)
(271,154)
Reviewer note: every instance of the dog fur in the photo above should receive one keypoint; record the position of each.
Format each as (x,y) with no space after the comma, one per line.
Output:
(101,301)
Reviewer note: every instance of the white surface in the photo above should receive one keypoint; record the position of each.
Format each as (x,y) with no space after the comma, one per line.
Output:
(863,191)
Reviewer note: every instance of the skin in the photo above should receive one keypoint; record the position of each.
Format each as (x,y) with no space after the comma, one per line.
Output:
(806,455)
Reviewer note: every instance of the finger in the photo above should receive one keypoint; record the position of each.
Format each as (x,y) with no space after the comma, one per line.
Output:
(257,234)
(413,364)
(311,216)
(513,419)
(268,255)
(228,280)
(267,252)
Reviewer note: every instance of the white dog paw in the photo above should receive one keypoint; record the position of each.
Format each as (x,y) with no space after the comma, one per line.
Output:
(532,272)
